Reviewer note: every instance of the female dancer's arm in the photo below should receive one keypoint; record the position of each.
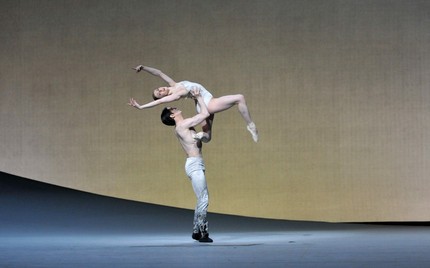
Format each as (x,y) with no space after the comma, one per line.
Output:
(156,72)
(167,99)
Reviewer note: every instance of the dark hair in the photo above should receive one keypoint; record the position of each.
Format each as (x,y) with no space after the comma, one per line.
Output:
(153,96)
(165,117)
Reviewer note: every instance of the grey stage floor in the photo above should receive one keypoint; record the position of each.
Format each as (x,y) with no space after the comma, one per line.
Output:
(48,226)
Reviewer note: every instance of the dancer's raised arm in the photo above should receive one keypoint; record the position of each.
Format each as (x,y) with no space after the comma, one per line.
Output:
(156,72)
(201,116)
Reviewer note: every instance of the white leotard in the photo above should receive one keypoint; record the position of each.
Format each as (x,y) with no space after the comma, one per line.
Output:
(206,95)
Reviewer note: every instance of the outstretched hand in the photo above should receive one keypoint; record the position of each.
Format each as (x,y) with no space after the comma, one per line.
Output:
(132,102)
(138,68)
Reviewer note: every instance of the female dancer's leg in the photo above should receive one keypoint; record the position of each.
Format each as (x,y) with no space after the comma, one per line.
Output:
(223,103)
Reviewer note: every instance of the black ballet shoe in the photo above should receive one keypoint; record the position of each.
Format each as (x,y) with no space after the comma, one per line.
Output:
(205,239)
(197,236)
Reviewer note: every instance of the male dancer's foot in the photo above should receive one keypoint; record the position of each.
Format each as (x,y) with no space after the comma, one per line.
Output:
(202,238)
(205,238)
(196,236)
(253,129)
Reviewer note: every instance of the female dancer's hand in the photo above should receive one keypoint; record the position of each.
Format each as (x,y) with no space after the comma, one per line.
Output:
(138,68)
(133,102)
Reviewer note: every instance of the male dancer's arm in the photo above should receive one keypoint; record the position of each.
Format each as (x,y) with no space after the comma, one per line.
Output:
(200,117)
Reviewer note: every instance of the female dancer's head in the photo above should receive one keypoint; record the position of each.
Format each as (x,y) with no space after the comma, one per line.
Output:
(160,92)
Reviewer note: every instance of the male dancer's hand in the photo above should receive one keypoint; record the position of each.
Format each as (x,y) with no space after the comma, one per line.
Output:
(195,92)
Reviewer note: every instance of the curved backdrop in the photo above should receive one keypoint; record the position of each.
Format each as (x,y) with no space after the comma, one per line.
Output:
(338,89)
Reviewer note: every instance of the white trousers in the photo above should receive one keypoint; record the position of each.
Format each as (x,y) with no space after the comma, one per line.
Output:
(195,169)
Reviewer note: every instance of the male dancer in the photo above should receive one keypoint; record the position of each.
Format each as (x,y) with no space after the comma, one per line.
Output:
(194,166)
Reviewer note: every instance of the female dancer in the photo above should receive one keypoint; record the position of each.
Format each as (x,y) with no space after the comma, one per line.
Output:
(179,90)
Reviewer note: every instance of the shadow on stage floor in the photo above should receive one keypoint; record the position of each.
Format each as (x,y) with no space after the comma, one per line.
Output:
(44,225)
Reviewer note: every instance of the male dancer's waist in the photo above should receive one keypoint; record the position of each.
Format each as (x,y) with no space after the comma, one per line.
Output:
(194,163)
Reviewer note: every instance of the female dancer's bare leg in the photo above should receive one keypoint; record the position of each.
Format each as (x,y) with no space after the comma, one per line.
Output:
(223,103)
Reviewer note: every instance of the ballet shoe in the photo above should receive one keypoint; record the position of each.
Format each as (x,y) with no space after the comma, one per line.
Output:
(253,129)
(197,236)
(205,239)
(198,136)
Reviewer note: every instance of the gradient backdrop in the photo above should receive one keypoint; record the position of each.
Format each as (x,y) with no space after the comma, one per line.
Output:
(340,92)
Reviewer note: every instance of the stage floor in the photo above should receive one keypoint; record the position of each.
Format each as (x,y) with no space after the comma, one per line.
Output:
(48,226)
